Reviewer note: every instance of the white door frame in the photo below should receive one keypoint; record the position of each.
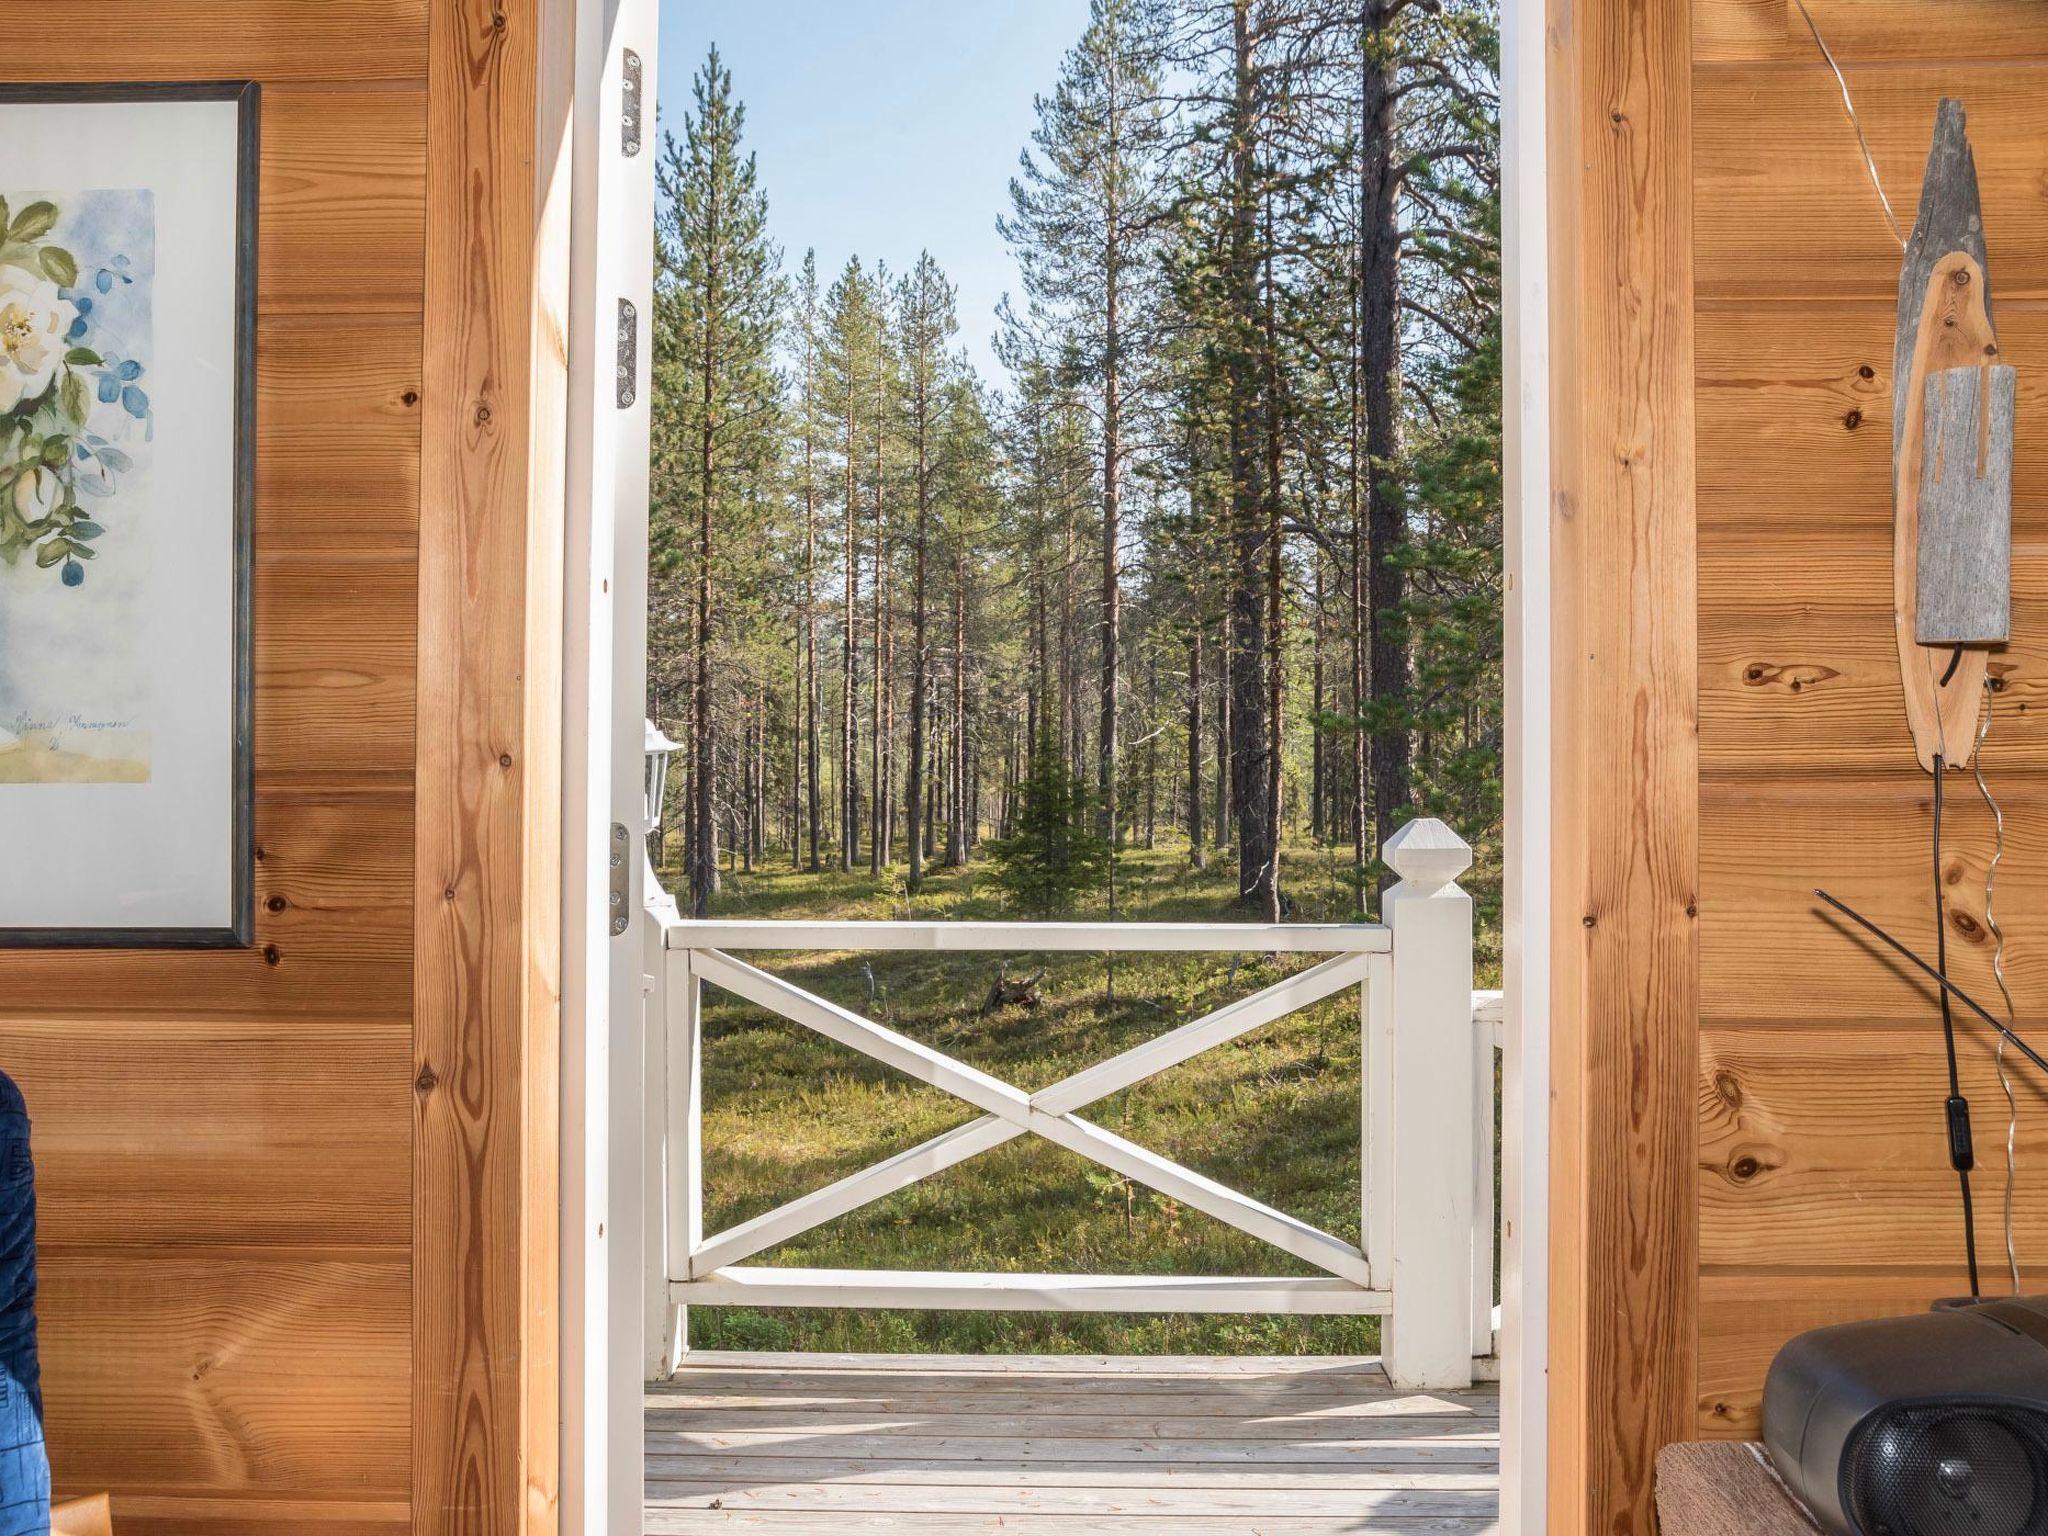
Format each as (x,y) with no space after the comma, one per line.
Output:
(1525,1091)
(603,1043)
(604,686)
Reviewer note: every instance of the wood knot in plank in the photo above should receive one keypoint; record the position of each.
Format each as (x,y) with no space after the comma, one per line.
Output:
(1747,1167)
(1793,676)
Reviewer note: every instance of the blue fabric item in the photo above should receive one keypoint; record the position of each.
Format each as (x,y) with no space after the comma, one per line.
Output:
(24,1465)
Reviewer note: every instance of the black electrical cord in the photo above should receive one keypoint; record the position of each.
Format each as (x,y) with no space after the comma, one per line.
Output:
(2039,1061)
(1962,1156)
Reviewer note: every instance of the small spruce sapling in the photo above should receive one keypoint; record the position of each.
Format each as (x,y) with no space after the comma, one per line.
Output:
(1055,856)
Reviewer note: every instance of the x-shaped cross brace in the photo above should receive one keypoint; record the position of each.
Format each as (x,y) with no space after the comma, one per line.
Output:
(1009,1112)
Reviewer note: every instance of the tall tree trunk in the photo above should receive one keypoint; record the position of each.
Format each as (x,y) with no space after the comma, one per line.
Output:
(703,835)
(1318,820)
(1070,728)
(880,842)
(1225,650)
(760,773)
(1380,361)
(878,827)
(748,803)
(1112,505)
(703,840)
(913,799)
(789,809)
(1358,600)
(1275,550)
(956,831)
(1196,856)
(849,669)
(1152,752)
(1251,766)
(812,693)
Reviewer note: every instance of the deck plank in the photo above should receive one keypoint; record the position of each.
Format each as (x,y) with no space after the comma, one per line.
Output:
(792,1445)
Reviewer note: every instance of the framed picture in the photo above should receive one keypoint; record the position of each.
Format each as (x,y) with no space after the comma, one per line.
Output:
(127,458)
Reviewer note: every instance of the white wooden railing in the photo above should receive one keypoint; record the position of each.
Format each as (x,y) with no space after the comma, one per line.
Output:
(1426,1259)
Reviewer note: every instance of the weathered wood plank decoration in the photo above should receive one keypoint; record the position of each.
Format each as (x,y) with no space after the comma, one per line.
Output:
(1965,577)
(1944,323)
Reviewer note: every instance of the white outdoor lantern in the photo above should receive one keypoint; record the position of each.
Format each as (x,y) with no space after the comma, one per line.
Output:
(659,750)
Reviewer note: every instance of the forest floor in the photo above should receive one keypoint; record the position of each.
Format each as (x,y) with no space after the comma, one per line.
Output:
(1274,1114)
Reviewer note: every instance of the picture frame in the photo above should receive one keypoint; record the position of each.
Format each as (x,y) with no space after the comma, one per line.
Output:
(128,276)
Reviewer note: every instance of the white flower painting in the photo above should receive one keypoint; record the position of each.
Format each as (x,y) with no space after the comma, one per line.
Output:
(77,271)
(128,316)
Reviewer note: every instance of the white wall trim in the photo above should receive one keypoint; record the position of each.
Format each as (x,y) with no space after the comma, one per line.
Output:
(1525,1193)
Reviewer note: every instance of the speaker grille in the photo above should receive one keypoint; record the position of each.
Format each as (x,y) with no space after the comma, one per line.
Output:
(1949,1470)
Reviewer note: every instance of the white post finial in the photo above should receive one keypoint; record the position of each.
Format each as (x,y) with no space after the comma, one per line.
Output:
(1428,855)
(1426,1156)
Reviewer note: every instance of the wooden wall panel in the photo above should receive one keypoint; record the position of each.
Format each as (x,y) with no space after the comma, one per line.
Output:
(338,408)
(1824,1144)
(1785,209)
(487,876)
(344,224)
(335,650)
(1824,1192)
(1799,667)
(1625,770)
(276,41)
(220,1133)
(1867,31)
(1768,952)
(217,1371)
(1746,1318)
(226,1139)
(1795,421)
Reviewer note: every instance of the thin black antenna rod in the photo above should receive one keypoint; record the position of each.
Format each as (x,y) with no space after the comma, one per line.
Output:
(1950,987)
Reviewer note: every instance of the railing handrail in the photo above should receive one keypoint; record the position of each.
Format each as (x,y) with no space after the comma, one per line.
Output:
(1029,938)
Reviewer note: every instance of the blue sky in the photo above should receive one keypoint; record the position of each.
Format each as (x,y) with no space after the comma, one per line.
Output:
(883,126)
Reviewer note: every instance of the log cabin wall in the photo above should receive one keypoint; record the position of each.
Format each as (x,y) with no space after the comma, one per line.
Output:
(297,1202)
(1746,1130)
(1824,1190)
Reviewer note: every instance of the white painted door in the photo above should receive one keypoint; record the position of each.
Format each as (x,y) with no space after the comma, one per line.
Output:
(605,607)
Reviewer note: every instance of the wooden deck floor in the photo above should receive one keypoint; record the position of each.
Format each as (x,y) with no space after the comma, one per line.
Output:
(820,1445)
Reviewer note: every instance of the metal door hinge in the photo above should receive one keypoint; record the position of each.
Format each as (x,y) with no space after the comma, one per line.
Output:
(621,879)
(629,354)
(629,105)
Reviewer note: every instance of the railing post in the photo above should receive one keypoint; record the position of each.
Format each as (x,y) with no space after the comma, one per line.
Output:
(1429,1335)
(1486,1035)
(684,1085)
(659,1316)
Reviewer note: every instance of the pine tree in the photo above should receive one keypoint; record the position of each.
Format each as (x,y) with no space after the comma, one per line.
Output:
(853,340)
(1055,856)
(807,343)
(1087,208)
(717,309)
(926,324)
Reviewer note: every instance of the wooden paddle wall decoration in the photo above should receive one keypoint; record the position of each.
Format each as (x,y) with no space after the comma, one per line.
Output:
(1952,439)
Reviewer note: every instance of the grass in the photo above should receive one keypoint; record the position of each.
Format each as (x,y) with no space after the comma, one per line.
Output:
(1275,1114)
